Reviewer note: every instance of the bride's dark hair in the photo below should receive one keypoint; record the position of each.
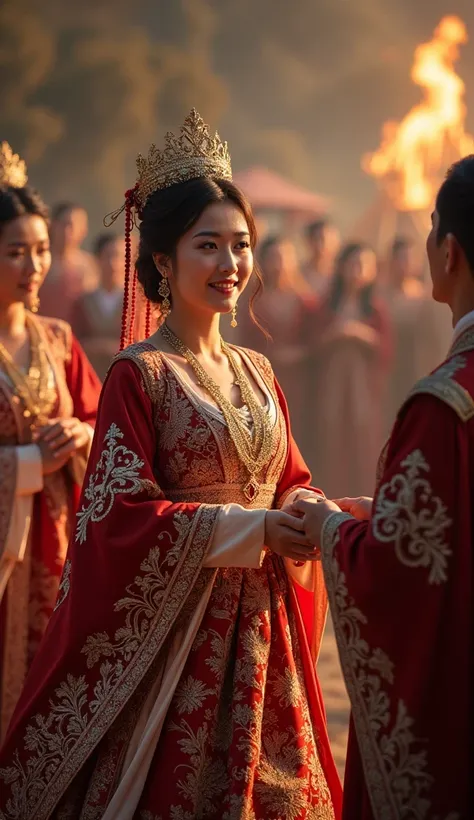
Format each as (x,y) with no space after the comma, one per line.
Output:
(169,213)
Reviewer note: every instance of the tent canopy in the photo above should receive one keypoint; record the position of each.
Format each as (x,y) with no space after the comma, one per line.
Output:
(267,190)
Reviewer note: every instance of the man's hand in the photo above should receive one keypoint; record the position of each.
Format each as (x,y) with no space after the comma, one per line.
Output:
(360,508)
(314,514)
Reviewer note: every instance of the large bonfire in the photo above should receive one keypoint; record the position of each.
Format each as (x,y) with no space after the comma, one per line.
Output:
(415,153)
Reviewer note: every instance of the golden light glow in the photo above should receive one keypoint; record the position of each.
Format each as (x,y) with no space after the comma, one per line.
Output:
(415,153)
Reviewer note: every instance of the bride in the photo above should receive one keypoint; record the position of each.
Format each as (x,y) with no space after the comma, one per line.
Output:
(177,676)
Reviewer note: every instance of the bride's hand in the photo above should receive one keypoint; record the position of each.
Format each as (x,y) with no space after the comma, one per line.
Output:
(284,535)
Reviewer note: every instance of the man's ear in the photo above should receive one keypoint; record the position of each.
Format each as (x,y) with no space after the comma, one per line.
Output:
(453,252)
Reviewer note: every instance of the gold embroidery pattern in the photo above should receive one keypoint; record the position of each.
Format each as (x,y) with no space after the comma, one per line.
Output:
(8,423)
(442,385)
(152,370)
(196,459)
(465,343)
(263,366)
(82,711)
(409,515)
(117,471)
(394,760)
(59,335)
(65,584)
(243,694)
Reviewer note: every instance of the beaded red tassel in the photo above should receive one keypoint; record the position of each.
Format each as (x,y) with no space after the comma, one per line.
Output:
(133,307)
(148,319)
(126,335)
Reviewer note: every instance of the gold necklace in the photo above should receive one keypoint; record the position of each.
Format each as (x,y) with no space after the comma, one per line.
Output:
(254,450)
(30,387)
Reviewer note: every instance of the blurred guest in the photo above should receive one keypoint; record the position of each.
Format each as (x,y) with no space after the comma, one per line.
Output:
(323,242)
(48,402)
(284,311)
(96,316)
(351,343)
(421,327)
(73,270)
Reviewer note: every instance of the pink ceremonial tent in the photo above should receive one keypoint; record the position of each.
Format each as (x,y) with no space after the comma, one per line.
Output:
(268,191)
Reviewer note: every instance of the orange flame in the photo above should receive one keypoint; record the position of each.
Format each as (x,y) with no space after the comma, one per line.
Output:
(415,152)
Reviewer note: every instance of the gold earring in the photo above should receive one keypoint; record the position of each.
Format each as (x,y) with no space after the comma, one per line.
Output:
(35,304)
(164,292)
(234,322)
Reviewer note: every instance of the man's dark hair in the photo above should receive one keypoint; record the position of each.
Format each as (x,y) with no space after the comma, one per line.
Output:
(315,228)
(455,206)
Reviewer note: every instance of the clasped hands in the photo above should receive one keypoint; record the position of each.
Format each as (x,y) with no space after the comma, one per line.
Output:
(296,533)
(58,440)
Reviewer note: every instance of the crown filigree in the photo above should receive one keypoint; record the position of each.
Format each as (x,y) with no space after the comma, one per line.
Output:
(192,154)
(12,168)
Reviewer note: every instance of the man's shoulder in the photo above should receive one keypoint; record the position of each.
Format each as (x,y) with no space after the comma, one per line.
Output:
(452,383)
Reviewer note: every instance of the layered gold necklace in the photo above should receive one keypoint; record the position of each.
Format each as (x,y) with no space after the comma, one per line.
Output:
(31,387)
(254,447)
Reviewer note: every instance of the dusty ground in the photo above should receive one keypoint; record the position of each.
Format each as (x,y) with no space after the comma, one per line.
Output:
(335,697)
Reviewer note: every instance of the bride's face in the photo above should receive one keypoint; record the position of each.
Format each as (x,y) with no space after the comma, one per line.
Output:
(213,261)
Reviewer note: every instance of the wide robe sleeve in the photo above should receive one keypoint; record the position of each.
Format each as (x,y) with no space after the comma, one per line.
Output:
(84,386)
(134,561)
(83,383)
(400,592)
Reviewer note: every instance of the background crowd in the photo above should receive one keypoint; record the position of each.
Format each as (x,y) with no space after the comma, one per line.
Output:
(347,332)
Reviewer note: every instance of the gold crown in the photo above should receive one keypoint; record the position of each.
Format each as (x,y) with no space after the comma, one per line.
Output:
(192,154)
(12,168)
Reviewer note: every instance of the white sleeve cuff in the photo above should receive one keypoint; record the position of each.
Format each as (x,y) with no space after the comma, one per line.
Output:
(29,470)
(238,539)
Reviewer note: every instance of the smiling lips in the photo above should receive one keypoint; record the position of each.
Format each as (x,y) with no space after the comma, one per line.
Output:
(226,286)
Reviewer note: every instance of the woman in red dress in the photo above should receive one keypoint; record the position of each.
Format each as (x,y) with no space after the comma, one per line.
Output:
(177,679)
(351,345)
(48,401)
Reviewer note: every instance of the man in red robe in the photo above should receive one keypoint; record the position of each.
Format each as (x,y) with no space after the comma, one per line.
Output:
(399,571)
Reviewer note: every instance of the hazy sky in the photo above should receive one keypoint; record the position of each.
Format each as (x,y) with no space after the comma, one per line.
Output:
(303,86)
(310,82)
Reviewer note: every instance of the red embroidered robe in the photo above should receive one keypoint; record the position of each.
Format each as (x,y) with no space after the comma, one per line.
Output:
(32,586)
(400,588)
(241,731)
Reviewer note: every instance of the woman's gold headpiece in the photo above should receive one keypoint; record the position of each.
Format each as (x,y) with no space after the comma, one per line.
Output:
(193,153)
(12,168)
